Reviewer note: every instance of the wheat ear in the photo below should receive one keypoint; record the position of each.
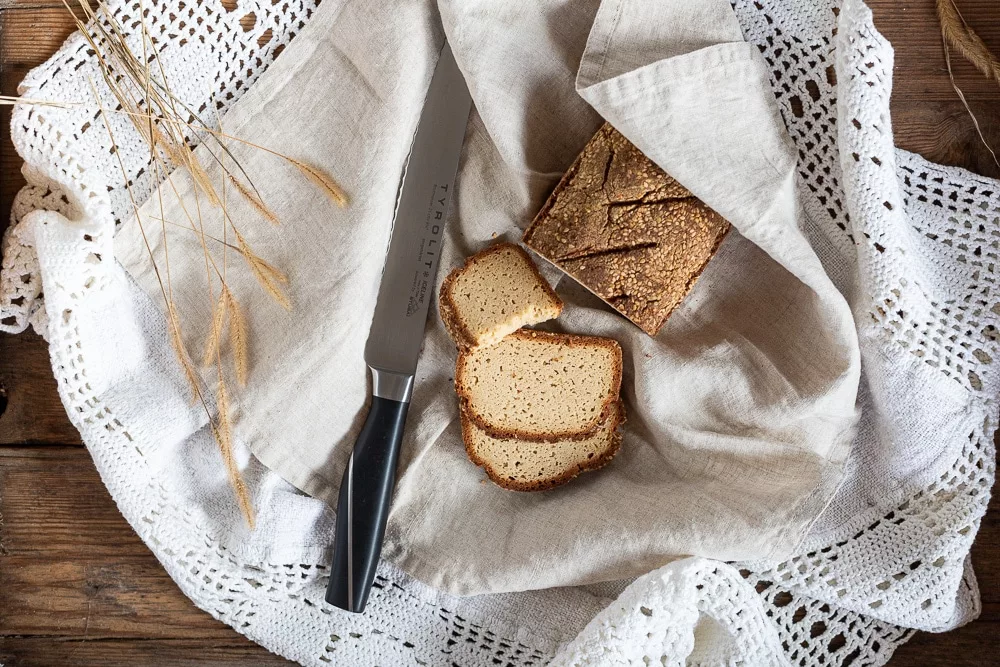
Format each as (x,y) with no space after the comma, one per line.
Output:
(321,180)
(254,200)
(178,344)
(965,40)
(238,337)
(215,333)
(269,277)
(138,72)
(955,32)
(223,432)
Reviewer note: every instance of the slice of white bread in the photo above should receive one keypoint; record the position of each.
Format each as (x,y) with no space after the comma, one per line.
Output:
(519,465)
(540,386)
(496,292)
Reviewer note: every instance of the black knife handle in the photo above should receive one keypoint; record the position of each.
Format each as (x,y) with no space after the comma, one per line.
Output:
(363,506)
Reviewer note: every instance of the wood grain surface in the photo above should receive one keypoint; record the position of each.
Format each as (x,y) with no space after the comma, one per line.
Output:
(78,587)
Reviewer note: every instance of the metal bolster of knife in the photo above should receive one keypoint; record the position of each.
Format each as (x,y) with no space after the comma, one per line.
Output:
(393,386)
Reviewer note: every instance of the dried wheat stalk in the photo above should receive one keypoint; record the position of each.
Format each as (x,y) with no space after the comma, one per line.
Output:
(11,100)
(957,33)
(139,84)
(254,200)
(237,337)
(960,35)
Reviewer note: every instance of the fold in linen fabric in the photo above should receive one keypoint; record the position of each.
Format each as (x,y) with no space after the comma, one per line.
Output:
(911,245)
(741,411)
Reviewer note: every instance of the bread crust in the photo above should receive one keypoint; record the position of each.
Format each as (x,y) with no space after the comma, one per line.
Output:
(569,340)
(650,323)
(543,213)
(460,333)
(448,317)
(549,482)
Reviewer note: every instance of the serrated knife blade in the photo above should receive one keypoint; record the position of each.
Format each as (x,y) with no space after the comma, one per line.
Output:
(414,249)
(397,330)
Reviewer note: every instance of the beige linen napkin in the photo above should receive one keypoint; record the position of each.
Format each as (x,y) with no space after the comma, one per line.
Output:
(741,410)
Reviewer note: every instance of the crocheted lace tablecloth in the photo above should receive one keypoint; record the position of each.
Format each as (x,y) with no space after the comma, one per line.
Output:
(912,245)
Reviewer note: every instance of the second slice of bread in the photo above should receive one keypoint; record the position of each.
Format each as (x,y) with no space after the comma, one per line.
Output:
(496,292)
(540,386)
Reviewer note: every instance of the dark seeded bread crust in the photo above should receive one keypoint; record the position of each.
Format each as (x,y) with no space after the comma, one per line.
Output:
(570,340)
(551,482)
(544,212)
(647,299)
(453,322)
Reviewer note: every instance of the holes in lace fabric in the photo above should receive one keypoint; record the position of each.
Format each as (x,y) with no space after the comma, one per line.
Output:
(815,633)
(245,35)
(963,225)
(781,599)
(452,639)
(947,337)
(796,106)
(942,545)
(943,335)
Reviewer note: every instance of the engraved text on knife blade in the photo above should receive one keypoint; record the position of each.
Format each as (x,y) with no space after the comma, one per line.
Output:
(429,250)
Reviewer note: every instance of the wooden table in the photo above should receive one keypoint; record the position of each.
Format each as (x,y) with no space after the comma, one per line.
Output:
(78,587)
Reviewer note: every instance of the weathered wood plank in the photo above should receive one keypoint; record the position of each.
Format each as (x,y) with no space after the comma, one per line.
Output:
(34,413)
(29,35)
(32,34)
(56,569)
(34,4)
(943,132)
(82,596)
(54,505)
(44,651)
(969,646)
(72,568)
(59,520)
(927,116)
(920,73)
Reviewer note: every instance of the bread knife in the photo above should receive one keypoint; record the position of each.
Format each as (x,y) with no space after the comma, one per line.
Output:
(425,193)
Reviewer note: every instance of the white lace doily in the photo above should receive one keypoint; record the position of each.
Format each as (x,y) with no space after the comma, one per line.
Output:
(912,245)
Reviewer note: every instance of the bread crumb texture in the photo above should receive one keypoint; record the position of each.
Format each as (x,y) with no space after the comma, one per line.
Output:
(520,465)
(540,386)
(626,230)
(495,293)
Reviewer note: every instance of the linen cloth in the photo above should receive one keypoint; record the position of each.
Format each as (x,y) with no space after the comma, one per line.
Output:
(910,243)
(740,412)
